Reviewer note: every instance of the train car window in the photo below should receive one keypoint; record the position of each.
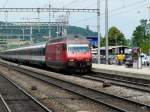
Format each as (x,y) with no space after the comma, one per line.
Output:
(43,51)
(37,52)
(33,52)
(29,52)
(40,51)
(17,52)
(20,52)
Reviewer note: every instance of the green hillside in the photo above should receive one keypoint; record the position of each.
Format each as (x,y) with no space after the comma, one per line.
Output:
(82,31)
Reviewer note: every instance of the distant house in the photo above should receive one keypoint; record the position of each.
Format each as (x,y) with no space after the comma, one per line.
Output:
(113,50)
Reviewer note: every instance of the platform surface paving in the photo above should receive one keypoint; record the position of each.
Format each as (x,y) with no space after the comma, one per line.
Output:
(143,73)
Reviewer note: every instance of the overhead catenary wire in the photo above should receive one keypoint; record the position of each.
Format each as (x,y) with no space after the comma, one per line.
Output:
(4,5)
(94,4)
(85,4)
(127,6)
(70,3)
(129,10)
(113,10)
(118,10)
(78,3)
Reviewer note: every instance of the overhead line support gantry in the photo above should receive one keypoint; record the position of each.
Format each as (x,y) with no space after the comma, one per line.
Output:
(46,10)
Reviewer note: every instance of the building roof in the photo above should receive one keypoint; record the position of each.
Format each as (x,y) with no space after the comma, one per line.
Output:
(112,47)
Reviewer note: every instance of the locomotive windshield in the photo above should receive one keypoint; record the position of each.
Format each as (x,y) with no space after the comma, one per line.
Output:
(78,48)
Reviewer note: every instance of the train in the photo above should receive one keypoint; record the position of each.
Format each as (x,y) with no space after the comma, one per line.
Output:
(61,54)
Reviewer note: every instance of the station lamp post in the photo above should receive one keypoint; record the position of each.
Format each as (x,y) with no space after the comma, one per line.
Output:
(144,25)
(98,30)
(23,34)
(106,29)
(31,34)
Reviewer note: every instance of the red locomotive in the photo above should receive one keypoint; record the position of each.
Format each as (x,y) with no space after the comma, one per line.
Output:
(61,53)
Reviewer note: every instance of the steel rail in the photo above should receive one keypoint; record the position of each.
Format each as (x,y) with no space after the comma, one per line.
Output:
(99,96)
(27,94)
(123,79)
(4,104)
(140,87)
(132,80)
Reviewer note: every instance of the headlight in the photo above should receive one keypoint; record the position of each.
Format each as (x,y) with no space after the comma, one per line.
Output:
(87,60)
(88,63)
(71,62)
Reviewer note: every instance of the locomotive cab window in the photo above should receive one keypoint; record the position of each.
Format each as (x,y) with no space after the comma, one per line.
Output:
(78,48)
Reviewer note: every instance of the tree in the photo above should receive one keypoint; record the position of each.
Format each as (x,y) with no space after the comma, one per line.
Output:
(129,42)
(103,40)
(115,37)
(138,36)
(141,39)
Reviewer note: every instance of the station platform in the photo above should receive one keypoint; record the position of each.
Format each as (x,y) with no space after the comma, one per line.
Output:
(143,73)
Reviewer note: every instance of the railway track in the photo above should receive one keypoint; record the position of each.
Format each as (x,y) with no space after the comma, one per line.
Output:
(15,99)
(133,83)
(117,103)
(3,106)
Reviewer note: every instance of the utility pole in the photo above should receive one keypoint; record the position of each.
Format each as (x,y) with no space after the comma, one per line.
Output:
(106,29)
(66,26)
(23,33)
(6,23)
(38,12)
(98,31)
(49,21)
(31,34)
(148,32)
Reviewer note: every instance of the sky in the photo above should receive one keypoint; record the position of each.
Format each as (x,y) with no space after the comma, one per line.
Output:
(124,14)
